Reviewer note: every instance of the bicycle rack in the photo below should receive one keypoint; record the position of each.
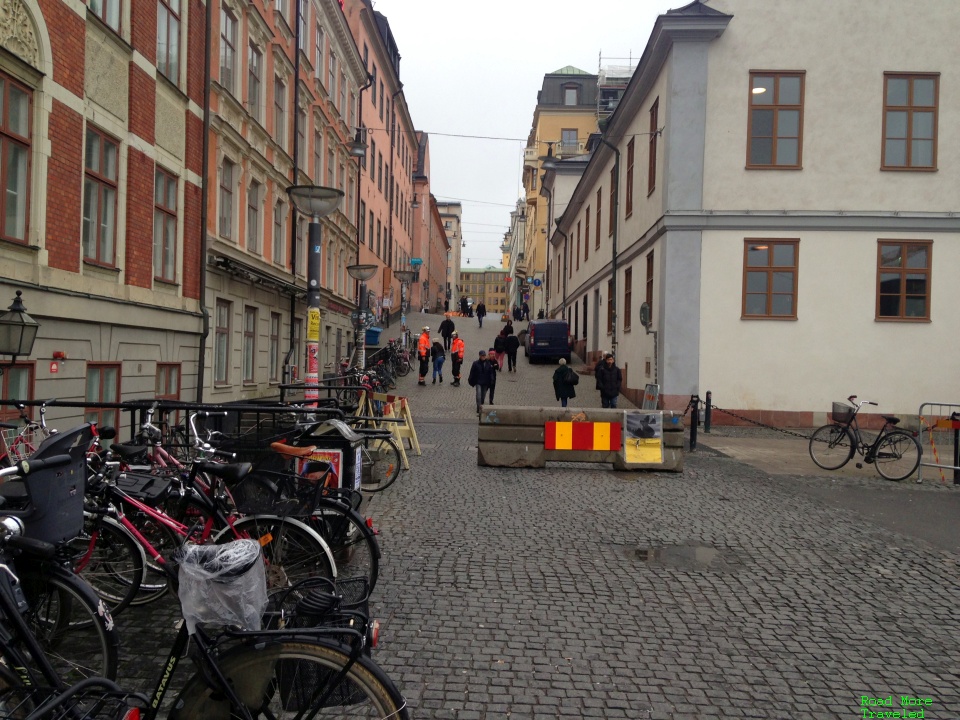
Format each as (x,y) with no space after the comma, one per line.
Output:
(940,421)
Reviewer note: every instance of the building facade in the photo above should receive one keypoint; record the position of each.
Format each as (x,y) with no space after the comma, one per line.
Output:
(791,230)
(487,285)
(451,213)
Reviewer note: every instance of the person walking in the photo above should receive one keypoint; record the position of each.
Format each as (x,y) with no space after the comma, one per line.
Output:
(609,379)
(463,306)
(423,353)
(500,349)
(526,311)
(481,376)
(513,344)
(564,380)
(481,312)
(494,368)
(446,332)
(456,357)
(439,355)
(508,329)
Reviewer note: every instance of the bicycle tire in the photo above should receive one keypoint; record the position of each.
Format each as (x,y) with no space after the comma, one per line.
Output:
(403,368)
(381,460)
(291,549)
(274,679)
(353,543)
(112,564)
(71,623)
(832,446)
(898,455)
(156,584)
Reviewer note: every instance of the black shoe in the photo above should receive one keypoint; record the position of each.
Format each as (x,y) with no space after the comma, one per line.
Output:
(421,383)
(434,381)
(441,379)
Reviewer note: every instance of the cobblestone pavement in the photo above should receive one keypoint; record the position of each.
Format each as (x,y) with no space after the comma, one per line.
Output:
(575,591)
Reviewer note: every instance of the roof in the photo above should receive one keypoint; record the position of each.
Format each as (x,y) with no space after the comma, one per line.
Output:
(695,8)
(569,70)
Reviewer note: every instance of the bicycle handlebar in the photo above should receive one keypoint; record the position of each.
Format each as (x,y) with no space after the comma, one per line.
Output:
(25,467)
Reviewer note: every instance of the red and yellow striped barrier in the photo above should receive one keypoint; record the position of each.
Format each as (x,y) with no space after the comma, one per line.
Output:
(582,436)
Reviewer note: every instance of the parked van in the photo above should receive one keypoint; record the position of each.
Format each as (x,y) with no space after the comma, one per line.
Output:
(549,339)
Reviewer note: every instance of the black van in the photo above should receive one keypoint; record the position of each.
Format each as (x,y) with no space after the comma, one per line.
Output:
(547,339)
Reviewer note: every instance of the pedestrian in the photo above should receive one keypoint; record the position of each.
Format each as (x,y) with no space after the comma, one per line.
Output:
(508,328)
(513,344)
(516,313)
(446,332)
(494,368)
(423,353)
(456,357)
(609,379)
(540,314)
(463,306)
(481,376)
(500,349)
(439,355)
(446,306)
(481,312)
(526,311)
(564,380)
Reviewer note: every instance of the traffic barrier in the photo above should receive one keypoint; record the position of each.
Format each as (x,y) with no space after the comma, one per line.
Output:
(403,430)
(628,439)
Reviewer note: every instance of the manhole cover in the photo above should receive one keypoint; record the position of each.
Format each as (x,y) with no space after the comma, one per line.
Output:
(685,557)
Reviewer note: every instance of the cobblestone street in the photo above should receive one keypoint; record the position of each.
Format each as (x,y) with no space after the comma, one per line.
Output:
(577,591)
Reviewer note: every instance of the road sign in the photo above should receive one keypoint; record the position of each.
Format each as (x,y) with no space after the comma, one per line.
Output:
(416,262)
(537,282)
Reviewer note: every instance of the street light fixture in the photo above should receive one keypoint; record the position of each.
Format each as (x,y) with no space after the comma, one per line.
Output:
(361,317)
(316,202)
(404,276)
(358,146)
(17,331)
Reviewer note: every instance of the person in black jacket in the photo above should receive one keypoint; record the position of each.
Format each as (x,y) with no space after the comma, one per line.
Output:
(609,379)
(481,312)
(564,380)
(438,355)
(482,376)
(495,366)
(513,344)
(446,332)
(499,349)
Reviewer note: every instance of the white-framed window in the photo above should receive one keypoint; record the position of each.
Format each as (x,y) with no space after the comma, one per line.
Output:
(279,111)
(228,50)
(165,226)
(100,198)
(254,199)
(279,238)
(168,39)
(228,176)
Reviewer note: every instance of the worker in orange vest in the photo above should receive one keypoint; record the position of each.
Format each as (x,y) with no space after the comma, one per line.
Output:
(456,357)
(423,352)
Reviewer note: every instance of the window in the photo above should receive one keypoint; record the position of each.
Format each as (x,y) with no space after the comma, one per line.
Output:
(103,386)
(296,343)
(281,7)
(228,50)
(165,227)
(611,220)
(627,297)
(301,137)
(568,141)
(654,135)
(332,75)
(370,232)
(379,226)
(585,304)
(599,201)
(318,54)
(342,106)
(341,270)
(775,126)
(648,290)
(16,382)
(586,235)
(578,248)
(317,157)
(279,110)
(254,193)
(278,239)
(108,11)
(15,126)
(168,381)
(381,98)
(168,38)
(373,87)
(331,171)
(227,173)
(571,94)
(610,304)
(303,13)
(299,250)
(275,325)
(770,278)
(249,344)
(221,349)
(628,200)
(373,154)
(255,83)
(903,280)
(379,173)
(910,121)
(363,224)
(100,198)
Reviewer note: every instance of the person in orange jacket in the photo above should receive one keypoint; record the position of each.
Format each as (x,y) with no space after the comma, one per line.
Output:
(456,357)
(423,352)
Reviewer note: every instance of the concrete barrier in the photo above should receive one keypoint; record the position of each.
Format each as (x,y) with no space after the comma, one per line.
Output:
(533,436)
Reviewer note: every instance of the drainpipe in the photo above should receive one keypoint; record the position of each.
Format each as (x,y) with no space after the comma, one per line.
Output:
(296,171)
(204,195)
(616,224)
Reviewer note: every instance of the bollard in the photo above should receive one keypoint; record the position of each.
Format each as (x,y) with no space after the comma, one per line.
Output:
(708,412)
(694,420)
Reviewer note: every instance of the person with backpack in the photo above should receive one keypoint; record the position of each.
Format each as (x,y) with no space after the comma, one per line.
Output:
(565,379)
(499,349)
(439,355)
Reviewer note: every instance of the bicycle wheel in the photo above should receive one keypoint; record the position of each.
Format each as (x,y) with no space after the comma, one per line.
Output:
(831,446)
(353,544)
(156,583)
(294,679)
(381,463)
(72,624)
(403,367)
(291,550)
(898,455)
(109,559)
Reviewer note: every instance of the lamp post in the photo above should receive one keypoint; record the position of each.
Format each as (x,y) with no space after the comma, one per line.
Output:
(362,316)
(404,276)
(316,202)
(17,331)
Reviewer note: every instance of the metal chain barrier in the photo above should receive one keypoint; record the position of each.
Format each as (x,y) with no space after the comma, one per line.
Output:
(760,424)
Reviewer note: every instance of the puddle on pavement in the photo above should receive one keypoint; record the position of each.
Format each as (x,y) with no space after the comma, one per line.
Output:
(685,557)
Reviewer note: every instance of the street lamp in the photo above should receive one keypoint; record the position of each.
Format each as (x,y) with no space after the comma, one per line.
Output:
(315,202)
(404,276)
(361,273)
(17,331)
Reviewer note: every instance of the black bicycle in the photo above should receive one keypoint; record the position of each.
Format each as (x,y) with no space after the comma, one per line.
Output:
(895,453)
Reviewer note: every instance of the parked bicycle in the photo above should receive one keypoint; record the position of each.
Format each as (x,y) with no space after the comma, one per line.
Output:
(895,453)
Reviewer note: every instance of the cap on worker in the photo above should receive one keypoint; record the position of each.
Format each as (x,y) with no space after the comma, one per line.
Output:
(483,353)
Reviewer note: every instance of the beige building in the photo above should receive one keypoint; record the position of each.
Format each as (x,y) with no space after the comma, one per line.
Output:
(487,285)
(792,228)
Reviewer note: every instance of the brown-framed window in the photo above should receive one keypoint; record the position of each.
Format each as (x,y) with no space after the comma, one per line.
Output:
(775,124)
(578,247)
(652,144)
(610,304)
(910,121)
(770,278)
(165,226)
(648,289)
(276,322)
(103,386)
(613,197)
(255,82)
(279,111)
(903,280)
(168,381)
(370,232)
(599,203)
(168,39)
(100,198)
(108,11)
(15,141)
(221,348)
(317,157)
(627,297)
(301,123)
(16,382)
(228,50)
(586,234)
(628,200)
(254,195)
(249,344)
(228,173)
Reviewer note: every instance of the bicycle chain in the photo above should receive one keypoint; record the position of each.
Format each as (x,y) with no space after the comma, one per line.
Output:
(760,424)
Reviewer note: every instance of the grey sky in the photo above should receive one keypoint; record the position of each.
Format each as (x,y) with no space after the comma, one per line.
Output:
(474,68)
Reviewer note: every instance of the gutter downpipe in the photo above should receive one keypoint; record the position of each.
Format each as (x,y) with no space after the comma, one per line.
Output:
(616,226)
(296,172)
(204,196)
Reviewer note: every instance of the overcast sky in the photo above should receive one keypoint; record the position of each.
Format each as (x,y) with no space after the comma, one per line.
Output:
(474,68)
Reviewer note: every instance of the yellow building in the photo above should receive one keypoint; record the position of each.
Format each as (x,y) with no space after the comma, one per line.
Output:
(488,285)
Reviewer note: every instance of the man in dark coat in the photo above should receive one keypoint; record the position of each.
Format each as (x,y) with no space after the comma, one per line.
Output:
(464,308)
(513,344)
(482,376)
(446,332)
(481,312)
(609,379)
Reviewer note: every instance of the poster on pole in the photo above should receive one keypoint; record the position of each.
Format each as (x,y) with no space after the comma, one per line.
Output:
(313,324)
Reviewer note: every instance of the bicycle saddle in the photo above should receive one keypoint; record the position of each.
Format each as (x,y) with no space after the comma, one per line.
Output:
(230,472)
(890,419)
(128,452)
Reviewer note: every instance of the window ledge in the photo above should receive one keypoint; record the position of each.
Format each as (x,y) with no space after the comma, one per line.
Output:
(778,318)
(112,33)
(166,283)
(773,167)
(902,320)
(100,267)
(17,245)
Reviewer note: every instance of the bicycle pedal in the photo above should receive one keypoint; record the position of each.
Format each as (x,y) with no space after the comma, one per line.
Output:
(860,466)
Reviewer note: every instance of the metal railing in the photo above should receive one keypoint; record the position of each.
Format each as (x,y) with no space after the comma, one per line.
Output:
(940,428)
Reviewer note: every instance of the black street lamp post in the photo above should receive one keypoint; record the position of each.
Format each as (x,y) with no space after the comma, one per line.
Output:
(17,331)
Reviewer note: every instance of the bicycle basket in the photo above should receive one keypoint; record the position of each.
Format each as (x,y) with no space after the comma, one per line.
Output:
(30,438)
(843,413)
